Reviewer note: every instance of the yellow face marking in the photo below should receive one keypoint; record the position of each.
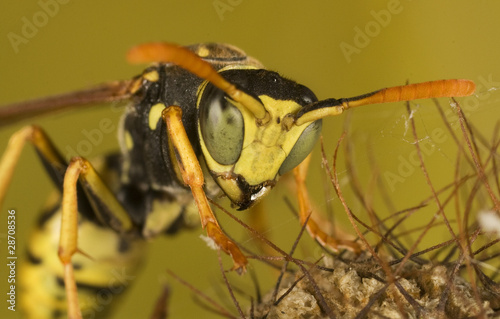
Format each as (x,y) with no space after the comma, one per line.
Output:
(202,51)
(151,76)
(265,147)
(155,115)
(129,142)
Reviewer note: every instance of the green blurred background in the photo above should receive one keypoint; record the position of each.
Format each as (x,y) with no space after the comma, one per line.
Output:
(84,43)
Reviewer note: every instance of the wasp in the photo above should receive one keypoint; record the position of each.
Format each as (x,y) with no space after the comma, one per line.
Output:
(201,119)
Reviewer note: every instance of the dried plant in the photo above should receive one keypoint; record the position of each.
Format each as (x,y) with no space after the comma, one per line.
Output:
(394,277)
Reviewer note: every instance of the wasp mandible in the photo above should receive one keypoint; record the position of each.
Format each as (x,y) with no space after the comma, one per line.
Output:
(201,119)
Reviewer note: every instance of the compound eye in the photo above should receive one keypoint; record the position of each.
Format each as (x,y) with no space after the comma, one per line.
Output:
(222,126)
(302,147)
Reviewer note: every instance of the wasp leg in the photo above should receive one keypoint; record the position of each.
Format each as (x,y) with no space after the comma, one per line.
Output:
(193,177)
(305,209)
(69,236)
(106,206)
(80,170)
(107,209)
(49,154)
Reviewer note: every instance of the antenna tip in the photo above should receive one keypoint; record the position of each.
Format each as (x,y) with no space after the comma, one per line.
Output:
(469,87)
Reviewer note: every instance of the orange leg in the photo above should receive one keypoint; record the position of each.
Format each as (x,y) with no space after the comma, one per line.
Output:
(69,236)
(51,156)
(78,170)
(10,158)
(193,177)
(305,209)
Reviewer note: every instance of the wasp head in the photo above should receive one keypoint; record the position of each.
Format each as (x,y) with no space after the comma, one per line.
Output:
(244,153)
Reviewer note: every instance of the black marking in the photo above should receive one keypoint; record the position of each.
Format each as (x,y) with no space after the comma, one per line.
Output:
(318,105)
(77,266)
(46,215)
(360,97)
(57,313)
(123,245)
(150,163)
(60,281)
(91,288)
(264,82)
(114,162)
(178,158)
(32,259)
(134,201)
(112,165)
(247,191)
(100,209)
(55,170)
(177,224)
(312,106)
(84,206)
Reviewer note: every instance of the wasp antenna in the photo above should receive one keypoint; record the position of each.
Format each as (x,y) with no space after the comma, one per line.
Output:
(106,92)
(181,56)
(425,90)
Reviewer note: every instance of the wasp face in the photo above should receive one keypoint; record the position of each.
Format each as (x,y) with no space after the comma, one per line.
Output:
(246,155)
